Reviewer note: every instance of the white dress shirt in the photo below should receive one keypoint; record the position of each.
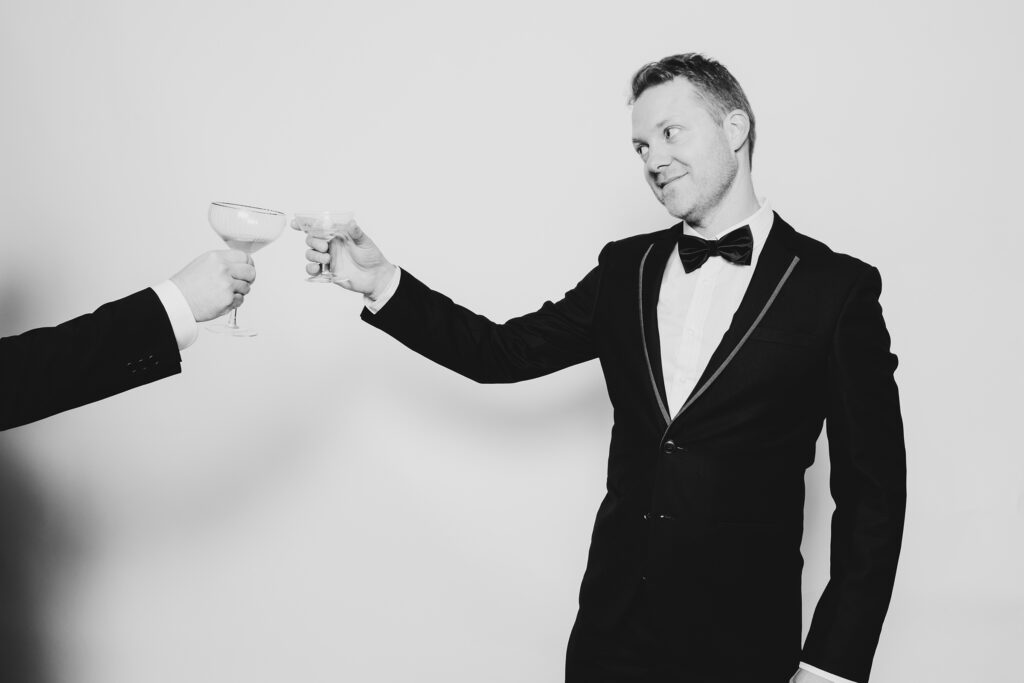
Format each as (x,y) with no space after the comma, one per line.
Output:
(695,309)
(186,330)
(375,305)
(694,312)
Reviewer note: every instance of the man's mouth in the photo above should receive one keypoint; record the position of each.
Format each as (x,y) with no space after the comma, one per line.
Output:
(662,184)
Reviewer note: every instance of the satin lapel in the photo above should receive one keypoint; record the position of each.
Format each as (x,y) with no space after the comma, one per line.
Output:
(652,269)
(774,266)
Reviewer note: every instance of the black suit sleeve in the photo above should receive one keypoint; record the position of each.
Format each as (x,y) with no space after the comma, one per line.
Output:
(868,483)
(555,336)
(122,345)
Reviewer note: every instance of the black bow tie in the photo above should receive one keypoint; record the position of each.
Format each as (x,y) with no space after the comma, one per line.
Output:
(736,247)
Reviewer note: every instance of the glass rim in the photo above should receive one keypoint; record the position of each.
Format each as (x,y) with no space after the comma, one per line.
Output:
(231,205)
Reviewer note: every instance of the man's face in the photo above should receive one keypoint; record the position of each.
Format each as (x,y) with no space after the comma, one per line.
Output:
(688,160)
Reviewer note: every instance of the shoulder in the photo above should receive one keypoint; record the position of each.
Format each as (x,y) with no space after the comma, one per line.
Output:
(635,246)
(817,256)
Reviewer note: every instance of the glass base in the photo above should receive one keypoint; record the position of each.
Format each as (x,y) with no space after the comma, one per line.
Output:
(231,330)
(320,277)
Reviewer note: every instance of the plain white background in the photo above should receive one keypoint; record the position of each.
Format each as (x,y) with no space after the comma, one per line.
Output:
(320,504)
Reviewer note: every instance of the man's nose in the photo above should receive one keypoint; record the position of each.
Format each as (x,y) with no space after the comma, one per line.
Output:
(658,159)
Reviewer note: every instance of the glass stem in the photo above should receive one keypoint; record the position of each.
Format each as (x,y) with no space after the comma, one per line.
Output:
(233,319)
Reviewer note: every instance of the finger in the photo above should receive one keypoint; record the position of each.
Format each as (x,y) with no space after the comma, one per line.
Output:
(236,256)
(237,301)
(316,243)
(242,271)
(312,269)
(240,287)
(317,257)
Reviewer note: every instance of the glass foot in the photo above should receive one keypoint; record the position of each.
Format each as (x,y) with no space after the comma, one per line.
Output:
(321,277)
(232,330)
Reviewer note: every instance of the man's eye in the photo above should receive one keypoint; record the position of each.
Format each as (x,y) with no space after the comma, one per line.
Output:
(671,133)
(641,150)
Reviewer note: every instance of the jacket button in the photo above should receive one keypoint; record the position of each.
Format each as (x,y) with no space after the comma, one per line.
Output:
(669,446)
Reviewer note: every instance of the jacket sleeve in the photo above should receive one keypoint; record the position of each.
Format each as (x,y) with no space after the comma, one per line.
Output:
(555,336)
(868,483)
(122,345)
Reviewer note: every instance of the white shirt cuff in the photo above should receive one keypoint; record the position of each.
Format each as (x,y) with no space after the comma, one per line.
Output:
(824,674)
(186,330)
(375,305)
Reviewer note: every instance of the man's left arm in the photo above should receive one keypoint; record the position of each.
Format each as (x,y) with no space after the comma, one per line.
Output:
(868,483)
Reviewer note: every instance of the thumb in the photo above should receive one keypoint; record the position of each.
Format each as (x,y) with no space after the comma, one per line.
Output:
(356,234)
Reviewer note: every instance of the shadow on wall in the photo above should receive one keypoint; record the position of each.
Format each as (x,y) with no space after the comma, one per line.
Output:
(24,532)
(23,569)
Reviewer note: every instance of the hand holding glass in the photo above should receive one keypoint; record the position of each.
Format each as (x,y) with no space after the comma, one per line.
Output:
(248,229)
(325,225)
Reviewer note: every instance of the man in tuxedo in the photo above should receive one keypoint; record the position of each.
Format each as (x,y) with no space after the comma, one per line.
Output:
(123,344)
(726,341)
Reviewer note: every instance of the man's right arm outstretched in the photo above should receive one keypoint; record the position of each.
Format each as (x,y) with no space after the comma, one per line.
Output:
(555,336)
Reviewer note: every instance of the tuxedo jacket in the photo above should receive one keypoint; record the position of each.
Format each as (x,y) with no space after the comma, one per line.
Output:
(122,345)
(704,508)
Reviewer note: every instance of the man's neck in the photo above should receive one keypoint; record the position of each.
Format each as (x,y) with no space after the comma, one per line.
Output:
(738,204)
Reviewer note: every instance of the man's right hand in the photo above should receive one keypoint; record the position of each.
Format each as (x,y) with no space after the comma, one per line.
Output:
(216,282)
(360,266)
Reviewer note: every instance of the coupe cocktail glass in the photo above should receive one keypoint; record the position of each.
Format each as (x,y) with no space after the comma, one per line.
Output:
(248,229)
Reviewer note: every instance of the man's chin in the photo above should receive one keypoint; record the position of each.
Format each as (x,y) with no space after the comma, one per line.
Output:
(677,209)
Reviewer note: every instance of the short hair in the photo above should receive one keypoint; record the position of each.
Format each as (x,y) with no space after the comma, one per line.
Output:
(719,89)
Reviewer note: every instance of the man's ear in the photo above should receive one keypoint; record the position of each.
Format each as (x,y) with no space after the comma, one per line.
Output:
(737,127)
